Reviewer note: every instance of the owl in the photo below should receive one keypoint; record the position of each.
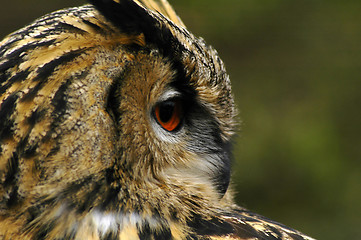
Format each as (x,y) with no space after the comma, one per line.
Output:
(116,123)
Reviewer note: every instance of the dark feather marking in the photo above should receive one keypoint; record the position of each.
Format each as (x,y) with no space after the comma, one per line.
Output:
(3,78)
(51,31)
(18,77)
(145,232)
(14,197)
(246,231)
(7,108)
(36,117)
(60,104)
(163,234)
(10,183)
(69,28)
(53,151)
(9,63)
(75,186)
(275,230)
(6,129)
(91,196)
(111,196)
(23,148)
(72,189)
(42,232)
(97,28)
(112,103)
(32,93)
(110,201)
(30,151)
(34,211)
(12,170)
(47,70)
(14,58)
(214,226)
(20,148)
(182,83)
(59,101)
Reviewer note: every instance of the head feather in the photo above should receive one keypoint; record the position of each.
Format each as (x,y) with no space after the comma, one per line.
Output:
(164,8)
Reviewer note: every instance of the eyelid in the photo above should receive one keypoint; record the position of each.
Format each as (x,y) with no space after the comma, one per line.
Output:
(169,94)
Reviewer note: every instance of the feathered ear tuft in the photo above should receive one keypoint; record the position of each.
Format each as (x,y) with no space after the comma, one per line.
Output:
(127,15)
(132,15)
(136,17)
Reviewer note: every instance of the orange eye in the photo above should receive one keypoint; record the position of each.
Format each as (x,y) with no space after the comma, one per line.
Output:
(169,114)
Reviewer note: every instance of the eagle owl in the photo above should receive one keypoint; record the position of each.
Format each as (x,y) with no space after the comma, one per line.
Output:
(116,123)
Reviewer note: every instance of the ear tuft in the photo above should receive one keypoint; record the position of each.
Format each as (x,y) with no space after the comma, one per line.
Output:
(127,15)
(135,17)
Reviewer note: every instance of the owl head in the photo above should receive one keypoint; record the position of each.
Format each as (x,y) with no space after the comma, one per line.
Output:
(113,106)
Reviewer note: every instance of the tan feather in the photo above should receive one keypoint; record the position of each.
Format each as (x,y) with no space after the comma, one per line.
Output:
(164,8)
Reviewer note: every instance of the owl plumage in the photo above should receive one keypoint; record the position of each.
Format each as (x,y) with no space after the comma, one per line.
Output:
(116,123)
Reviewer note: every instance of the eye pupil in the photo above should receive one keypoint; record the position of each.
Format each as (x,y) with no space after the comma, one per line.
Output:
(166,110)
(169,114)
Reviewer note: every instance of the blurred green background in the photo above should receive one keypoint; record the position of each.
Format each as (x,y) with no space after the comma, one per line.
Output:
(296,73)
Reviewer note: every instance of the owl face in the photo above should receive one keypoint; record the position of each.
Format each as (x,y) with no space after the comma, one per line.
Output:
(175,129)
(111,108)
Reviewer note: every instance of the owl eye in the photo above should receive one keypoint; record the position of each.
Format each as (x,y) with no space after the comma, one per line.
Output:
(169,114)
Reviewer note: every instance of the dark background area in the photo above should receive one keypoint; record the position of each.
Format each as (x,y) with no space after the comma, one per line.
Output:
(296,73)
